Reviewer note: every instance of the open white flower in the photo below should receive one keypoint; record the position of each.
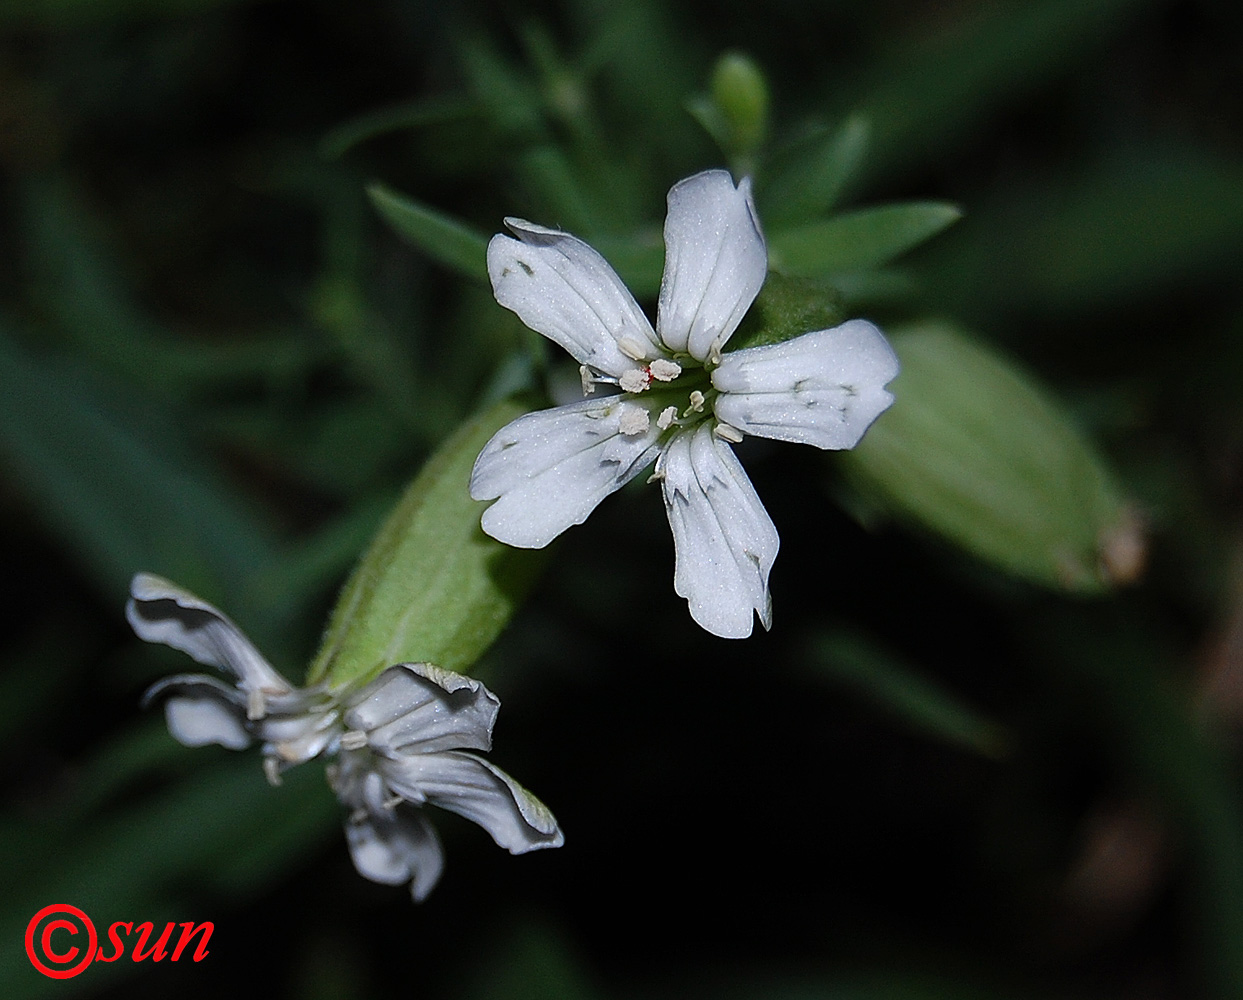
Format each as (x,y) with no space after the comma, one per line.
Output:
(682,403)
(402,741)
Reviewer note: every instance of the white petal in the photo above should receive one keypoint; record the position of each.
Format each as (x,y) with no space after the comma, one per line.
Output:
(551,468)
(562,288)
(715,262)
(395,846)
(822,388)
(162,612)
(201,710)
(423,708)
(471,787)
(724,542)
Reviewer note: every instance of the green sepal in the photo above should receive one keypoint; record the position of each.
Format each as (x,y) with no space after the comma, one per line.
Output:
(441,237)
(788,307)
(974,449)
(853,241)
(432,587)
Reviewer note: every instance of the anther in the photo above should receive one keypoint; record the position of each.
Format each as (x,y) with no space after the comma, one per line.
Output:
(664,370)
(633,420)
(727,432)
(667,416)
(353,739)
(635,380)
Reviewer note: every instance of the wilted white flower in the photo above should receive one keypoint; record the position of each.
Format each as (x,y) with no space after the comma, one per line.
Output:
(683,402)
(402,741)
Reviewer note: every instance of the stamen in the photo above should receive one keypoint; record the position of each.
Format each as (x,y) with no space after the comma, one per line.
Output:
(589,382)
(714,352)
(633,420)
(664,370)
(697,401)
(632,348)
(393,801)
(667,416)
(272,770)
(635,380)
(256,706)
(727,432)
(353,739)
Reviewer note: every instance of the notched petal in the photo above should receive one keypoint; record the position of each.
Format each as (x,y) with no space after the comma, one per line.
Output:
(423,708)
(715,262)
(162,612)
(548,470)
(562,288)
(484,794)
(201,710)
(823,388)
(724,541)
(395,846)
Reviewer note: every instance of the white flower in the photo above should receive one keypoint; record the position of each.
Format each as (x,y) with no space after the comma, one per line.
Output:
(682,402)
(402,741)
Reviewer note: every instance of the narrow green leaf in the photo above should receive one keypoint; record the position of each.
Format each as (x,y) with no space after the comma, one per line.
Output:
(854,241)
(807,179)
(860,664)
(410,115)
(432,587)
(975,450)
(112,479)
(441,237)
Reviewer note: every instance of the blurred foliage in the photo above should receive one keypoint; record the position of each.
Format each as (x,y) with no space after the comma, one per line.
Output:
(990,747)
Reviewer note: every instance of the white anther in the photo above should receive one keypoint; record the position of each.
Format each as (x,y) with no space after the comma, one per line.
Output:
(667,416)
(392,802)
(727,432)
(714,352)
(272,770)
(634,380)
(632,348)
(256,705)
(656,476)
(353,739)
(664,370)
(633,419)
(589,382)
(697,401)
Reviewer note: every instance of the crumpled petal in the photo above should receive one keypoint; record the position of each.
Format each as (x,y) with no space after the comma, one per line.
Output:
(422,708)
(548,470)
(473,788)
(724,541)
(389,843)
(160,611)
(823,388)
(202,710)
(562,288)
(396,846)
(715,262)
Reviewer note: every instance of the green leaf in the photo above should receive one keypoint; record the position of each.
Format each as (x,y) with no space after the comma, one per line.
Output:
(854,241)
(432,587)
(857,662)
(113,480)
(785,308)
(975,450)
(412,114)
(441,237)
(808,178)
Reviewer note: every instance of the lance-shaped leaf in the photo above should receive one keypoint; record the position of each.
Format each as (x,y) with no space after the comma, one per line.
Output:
(854,241)
(432,587)
(440,236)
(975,450)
